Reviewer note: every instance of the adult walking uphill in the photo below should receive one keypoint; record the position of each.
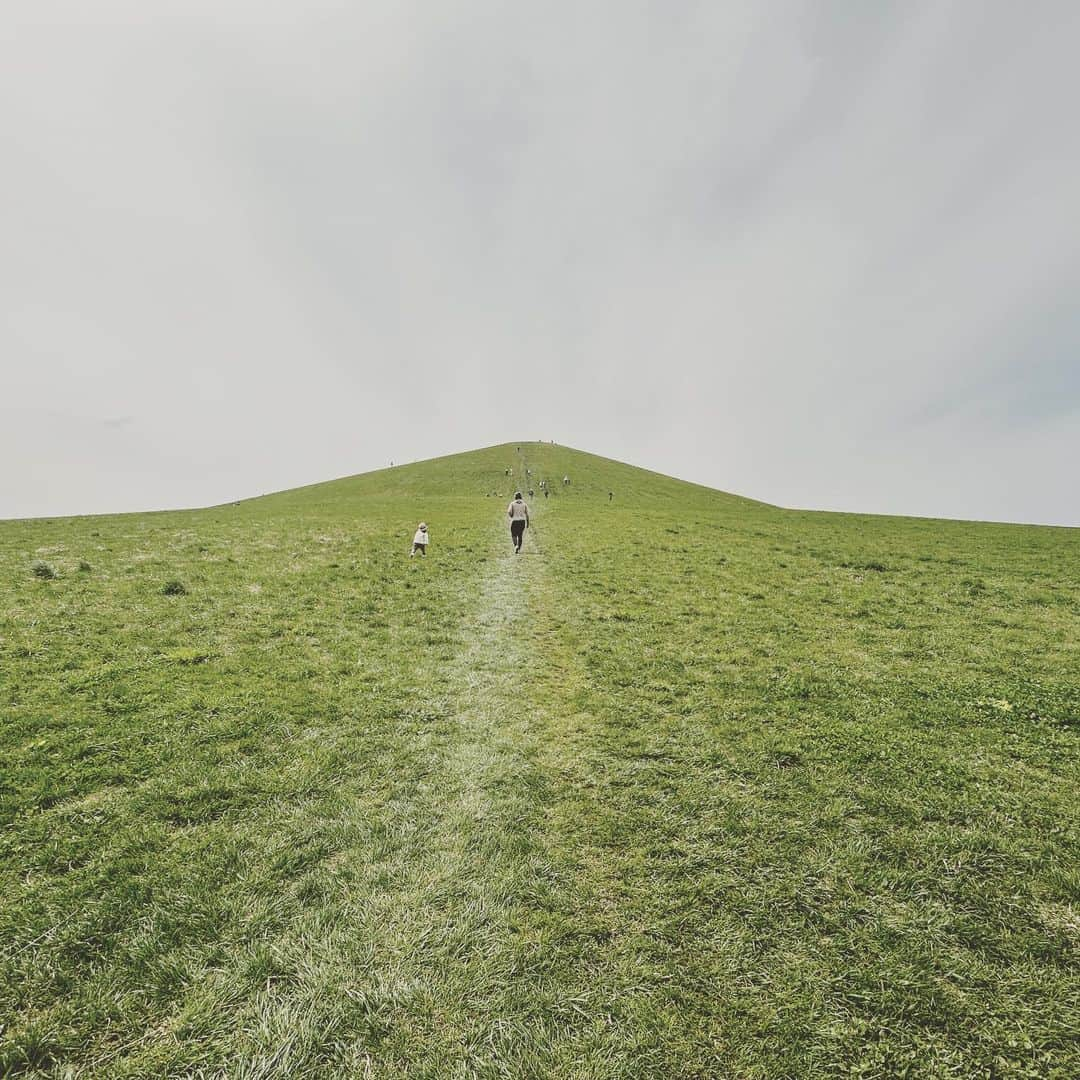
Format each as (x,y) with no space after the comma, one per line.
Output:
(518,513)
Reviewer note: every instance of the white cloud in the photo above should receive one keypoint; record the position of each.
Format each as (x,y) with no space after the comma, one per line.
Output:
(816,254)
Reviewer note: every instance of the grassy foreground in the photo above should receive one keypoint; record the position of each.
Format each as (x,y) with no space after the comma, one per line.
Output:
(694,787)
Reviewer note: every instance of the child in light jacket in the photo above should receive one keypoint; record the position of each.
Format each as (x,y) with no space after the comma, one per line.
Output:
(419,541)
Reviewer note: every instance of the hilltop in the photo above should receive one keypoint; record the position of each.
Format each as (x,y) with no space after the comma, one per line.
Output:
(694,787)
(482,472)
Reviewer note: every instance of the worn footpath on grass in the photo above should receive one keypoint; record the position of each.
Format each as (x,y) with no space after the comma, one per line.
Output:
(692,787)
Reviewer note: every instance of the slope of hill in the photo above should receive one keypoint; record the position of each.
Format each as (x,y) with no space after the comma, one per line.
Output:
(693,787)
(484,472)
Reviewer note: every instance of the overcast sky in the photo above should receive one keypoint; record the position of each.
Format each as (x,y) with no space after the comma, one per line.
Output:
(822,254)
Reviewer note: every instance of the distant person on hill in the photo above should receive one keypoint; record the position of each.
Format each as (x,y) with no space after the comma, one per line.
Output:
(531,493)
(420,541)
(546,493)
(610,496)
(565,480)
(518,513)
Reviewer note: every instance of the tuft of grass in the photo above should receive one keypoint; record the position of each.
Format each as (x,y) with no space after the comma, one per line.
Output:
(189,655)
(174,588)
(43,570)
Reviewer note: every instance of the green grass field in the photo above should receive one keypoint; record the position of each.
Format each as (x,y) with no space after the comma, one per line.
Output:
(694,787)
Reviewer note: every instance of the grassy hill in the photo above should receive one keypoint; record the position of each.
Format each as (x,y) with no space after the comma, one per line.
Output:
(693,787)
